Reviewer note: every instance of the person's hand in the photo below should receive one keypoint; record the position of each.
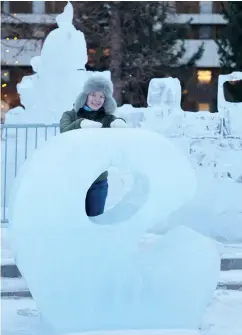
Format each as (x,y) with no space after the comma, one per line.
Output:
(119,123)
(90,124)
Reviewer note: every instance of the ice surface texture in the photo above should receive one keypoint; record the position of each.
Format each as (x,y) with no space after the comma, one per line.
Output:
(230,111)
(91,274)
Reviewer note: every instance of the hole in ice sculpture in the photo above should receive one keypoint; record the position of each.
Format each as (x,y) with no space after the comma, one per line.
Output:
(133,196)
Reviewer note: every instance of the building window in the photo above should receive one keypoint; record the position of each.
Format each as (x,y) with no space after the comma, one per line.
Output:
(203,107)
(204,76)
(206,7)
(39,7)
(20,7)
(55,7)
(205,32)
(187,7)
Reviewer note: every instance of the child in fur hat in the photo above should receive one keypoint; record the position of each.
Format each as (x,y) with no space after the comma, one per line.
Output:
(94,108)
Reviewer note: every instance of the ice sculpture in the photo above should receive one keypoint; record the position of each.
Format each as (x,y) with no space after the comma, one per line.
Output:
(164,100)
(90,274)
(164,91)
(229,159)
(201,124)
(132,115)
(59,75)
(231,112)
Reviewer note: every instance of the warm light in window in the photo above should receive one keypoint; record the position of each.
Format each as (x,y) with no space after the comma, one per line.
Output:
(15,38)
(205,107)
(185,92)
(204,76)
(4,85)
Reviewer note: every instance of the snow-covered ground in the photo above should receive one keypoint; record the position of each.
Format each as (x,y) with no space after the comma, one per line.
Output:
(223,317)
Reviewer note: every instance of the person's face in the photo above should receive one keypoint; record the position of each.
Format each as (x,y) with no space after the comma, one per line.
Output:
(95,100)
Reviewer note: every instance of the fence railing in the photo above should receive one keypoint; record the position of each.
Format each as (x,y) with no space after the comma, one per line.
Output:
(18,141)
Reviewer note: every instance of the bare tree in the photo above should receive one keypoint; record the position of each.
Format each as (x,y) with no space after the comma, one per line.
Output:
(142,38)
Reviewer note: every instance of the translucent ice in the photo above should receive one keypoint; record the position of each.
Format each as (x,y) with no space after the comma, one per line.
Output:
(91,274)
(231,112)
(215,211)
(164,91)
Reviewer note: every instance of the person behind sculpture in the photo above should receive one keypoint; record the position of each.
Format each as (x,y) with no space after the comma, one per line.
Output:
(94,108)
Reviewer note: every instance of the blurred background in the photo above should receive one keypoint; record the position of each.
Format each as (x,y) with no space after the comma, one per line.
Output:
(194,41)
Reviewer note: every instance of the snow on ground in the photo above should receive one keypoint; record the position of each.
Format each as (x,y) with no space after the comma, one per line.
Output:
(6,253)
(223,317)
(19,317)
(231,251)
(13,285)
(231,277)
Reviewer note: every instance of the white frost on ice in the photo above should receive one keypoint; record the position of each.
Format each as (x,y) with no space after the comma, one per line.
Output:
(114,274)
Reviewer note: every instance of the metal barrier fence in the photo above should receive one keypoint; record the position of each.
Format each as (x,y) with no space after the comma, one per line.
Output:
(18,141)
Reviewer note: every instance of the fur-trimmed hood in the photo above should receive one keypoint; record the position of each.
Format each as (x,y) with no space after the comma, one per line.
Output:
(97,84)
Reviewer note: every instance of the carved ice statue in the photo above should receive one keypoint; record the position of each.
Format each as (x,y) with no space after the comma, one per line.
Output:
(164,91)
(117,285)
(59,75)
(231,112)
(164,113)
(62,68)
(65,48)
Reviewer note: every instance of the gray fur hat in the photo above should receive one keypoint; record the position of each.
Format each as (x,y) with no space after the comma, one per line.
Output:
(97,84)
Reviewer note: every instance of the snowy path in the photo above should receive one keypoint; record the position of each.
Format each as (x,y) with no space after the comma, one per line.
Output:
(223,317)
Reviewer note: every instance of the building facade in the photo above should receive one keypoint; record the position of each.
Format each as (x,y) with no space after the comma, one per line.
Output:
(207,25)
(26,24)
